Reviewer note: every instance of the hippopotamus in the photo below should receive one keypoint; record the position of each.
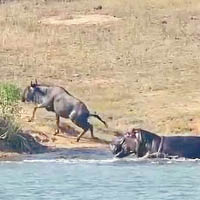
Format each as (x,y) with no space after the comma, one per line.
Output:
(143,143)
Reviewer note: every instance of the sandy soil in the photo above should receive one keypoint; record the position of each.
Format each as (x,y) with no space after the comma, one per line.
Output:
(43,129)
(5,156)
(79,19)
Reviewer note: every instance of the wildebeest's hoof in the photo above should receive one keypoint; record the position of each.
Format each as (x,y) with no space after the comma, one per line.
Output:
(77,139)
(30,120)
(53,139)
(56,132)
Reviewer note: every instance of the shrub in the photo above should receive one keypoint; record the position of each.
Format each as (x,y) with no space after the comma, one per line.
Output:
(12,138)
(9,97)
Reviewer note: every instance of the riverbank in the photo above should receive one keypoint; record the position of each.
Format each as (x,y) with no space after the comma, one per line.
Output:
(60,146)
(9,156)
(42,141)
(48,143)
(136,66)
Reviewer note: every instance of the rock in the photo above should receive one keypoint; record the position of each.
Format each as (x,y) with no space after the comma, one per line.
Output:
(99,7)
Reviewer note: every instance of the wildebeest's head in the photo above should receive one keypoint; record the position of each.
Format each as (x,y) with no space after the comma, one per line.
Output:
(28,94)
(127,144)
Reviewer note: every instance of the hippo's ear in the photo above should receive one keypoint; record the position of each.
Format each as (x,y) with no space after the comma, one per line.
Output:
(138,135)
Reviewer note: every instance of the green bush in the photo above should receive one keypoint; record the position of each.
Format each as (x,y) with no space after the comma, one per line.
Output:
(12,138)
(9,97)
(10,134)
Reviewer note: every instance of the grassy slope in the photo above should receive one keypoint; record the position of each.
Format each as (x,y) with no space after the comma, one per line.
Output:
(141,71)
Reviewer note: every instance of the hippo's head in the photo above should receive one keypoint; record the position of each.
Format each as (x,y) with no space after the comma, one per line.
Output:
(127,144)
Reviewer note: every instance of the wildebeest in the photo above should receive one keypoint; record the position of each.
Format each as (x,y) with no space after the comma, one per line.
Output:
(60,101)
(143,143)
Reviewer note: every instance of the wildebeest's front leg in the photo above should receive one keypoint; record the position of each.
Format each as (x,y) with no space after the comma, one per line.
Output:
(34,111)
(46,105)
(57,124)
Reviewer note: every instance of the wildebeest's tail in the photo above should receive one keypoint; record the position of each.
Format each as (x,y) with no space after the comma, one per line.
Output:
(99,118)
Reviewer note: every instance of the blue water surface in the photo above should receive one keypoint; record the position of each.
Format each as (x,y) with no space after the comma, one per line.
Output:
(95,175)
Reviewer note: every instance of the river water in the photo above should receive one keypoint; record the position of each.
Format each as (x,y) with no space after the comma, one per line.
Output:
(96,175)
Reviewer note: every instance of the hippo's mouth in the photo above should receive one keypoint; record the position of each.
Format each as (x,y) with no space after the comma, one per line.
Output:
(120,152)
(124,153)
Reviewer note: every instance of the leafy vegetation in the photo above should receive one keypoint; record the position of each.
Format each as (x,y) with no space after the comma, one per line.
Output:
(9,97)
(12,138)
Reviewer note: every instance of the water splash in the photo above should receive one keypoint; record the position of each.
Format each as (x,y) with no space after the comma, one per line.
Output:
(72,161)
(109,161)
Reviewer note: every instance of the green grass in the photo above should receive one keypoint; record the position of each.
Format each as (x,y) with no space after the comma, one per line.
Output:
(9,93)
(9,97)
(11,136)
(9,109)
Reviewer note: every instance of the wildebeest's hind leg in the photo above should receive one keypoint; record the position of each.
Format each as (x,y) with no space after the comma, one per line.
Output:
(91,130)
(80,135)
(85,128)
(82,122)
(57,124)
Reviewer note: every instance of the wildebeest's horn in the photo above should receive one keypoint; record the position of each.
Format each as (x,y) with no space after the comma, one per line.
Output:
(31,84)
(36,81)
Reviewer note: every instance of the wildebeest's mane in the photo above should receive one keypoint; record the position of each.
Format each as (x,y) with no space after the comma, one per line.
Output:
(47,85)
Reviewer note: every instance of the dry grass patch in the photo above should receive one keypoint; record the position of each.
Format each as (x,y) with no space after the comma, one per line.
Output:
(79,19)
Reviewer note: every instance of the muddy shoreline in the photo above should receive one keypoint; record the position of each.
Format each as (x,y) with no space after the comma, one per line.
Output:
(53,149)
(55,154)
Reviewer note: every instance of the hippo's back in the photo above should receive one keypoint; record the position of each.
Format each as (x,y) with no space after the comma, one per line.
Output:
(182,146)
